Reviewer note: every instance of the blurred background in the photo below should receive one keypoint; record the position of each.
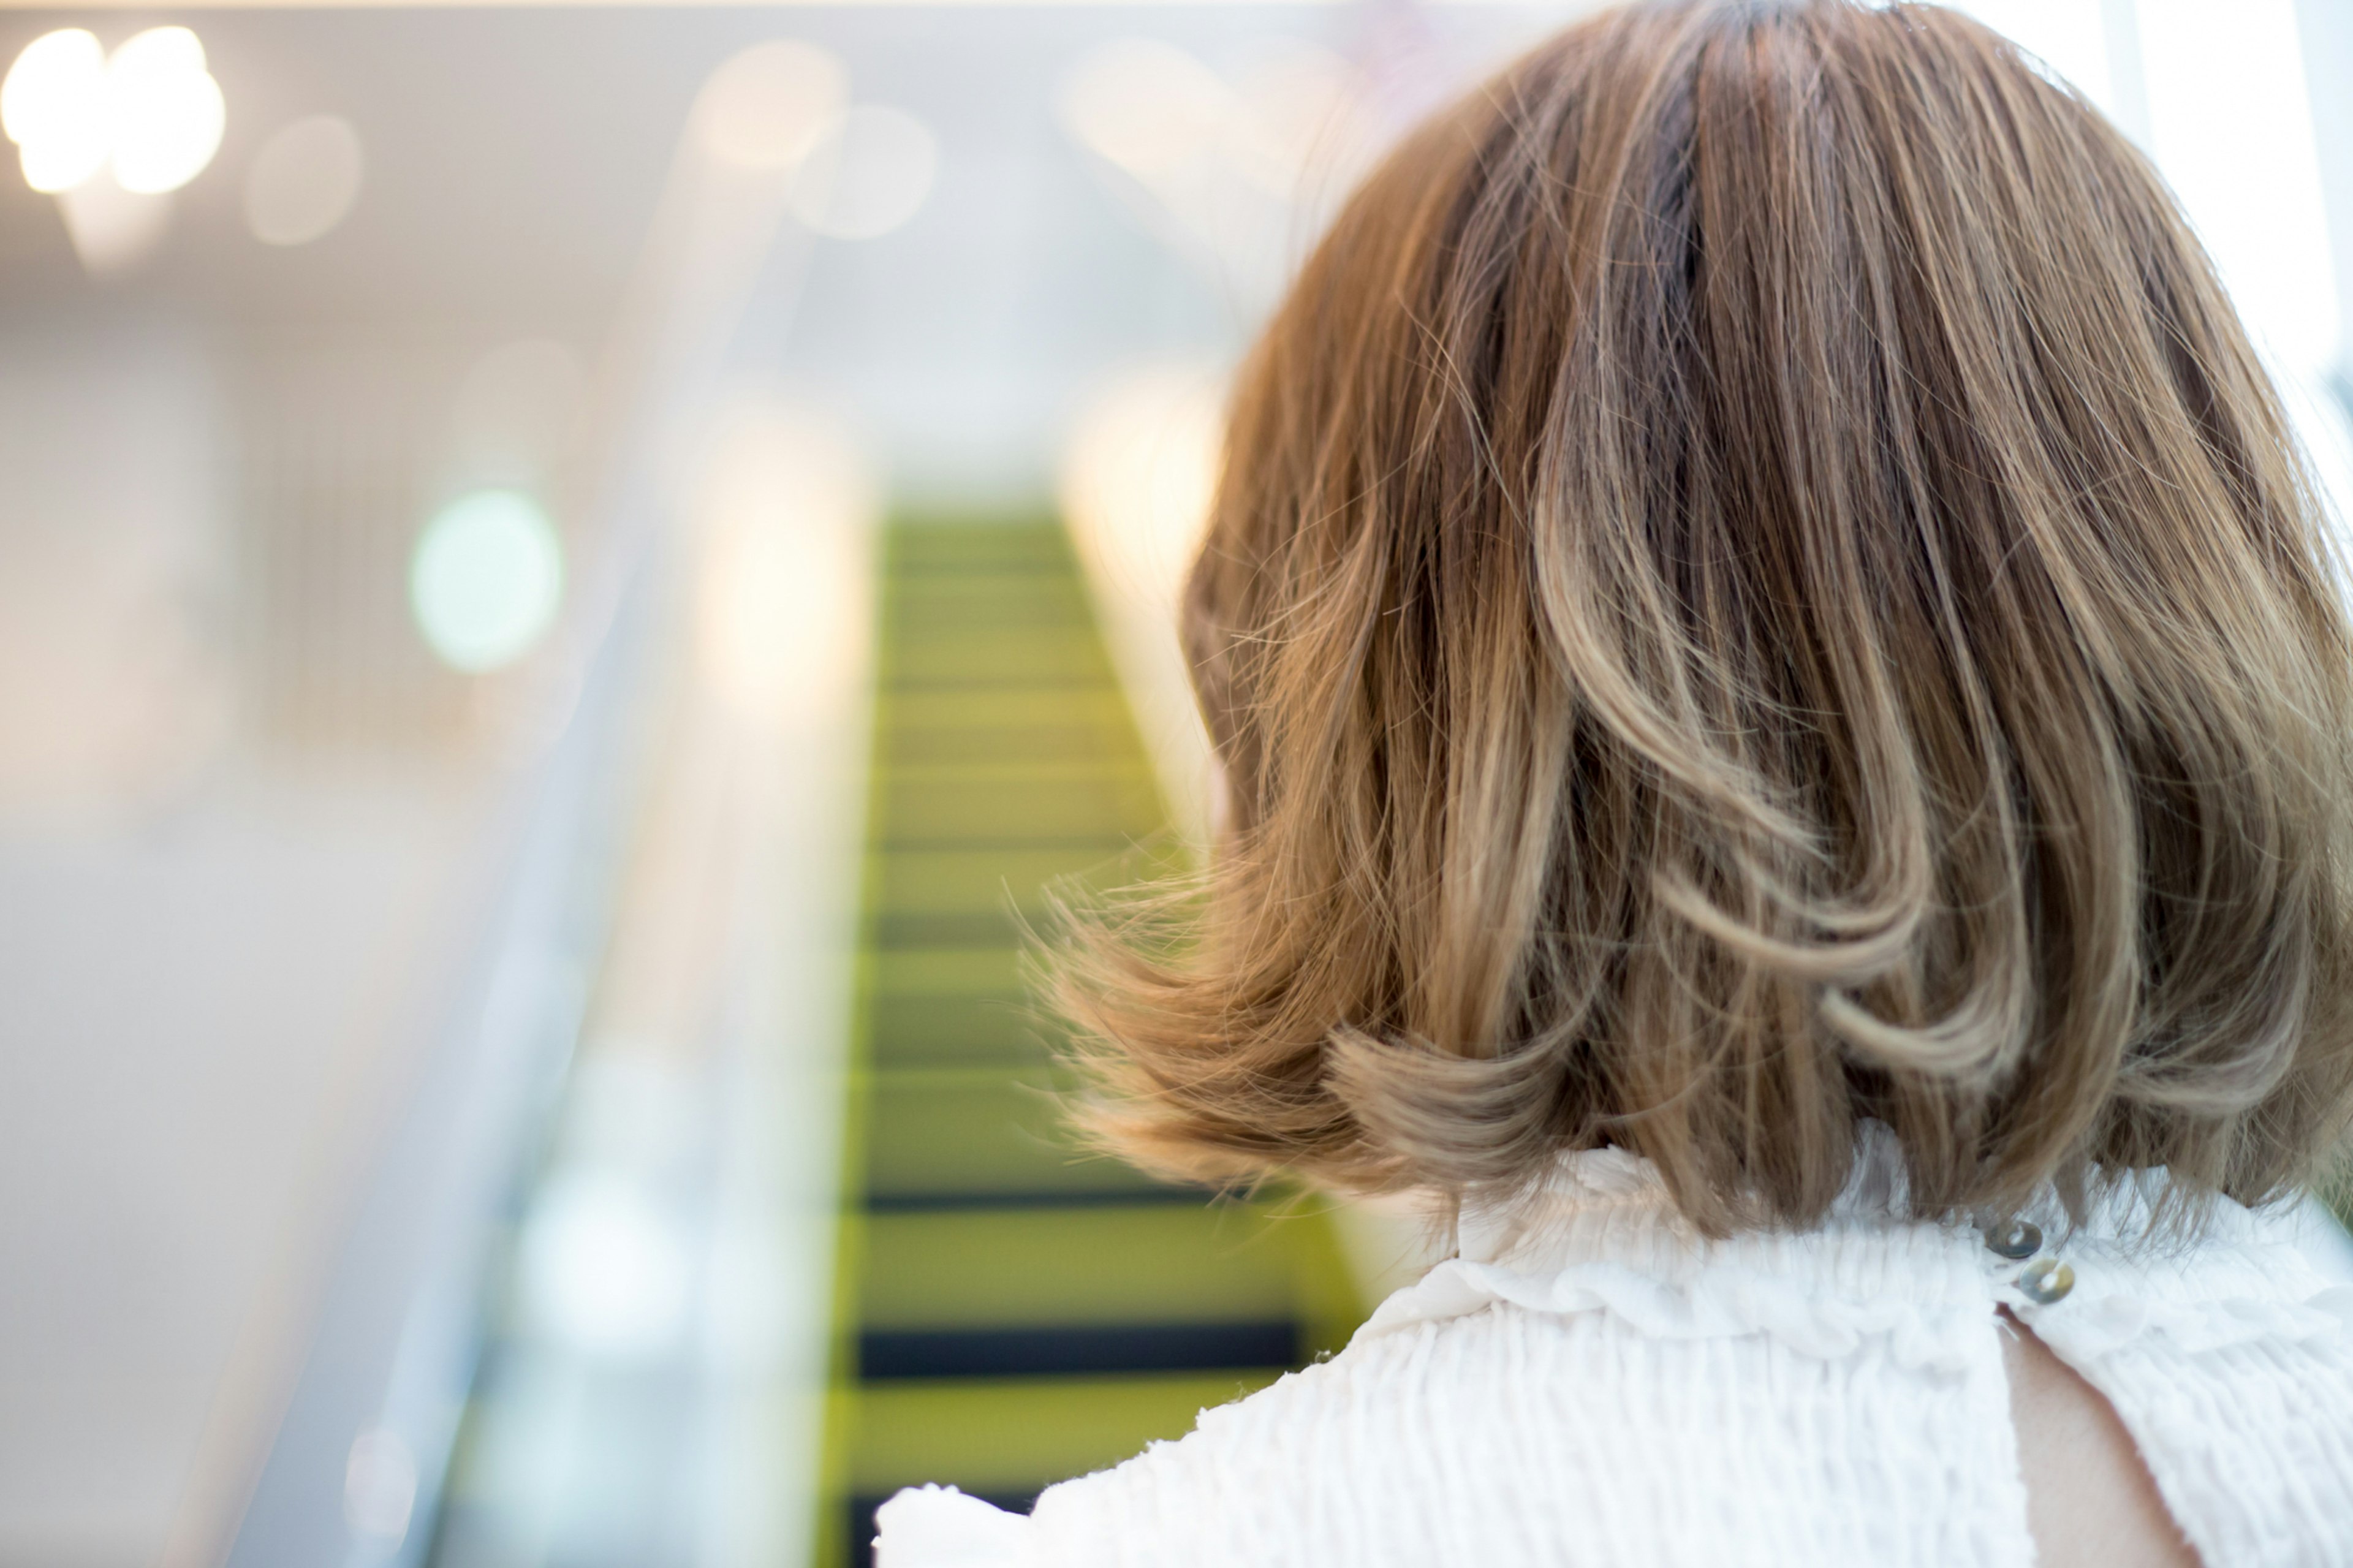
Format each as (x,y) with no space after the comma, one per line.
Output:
(567,577)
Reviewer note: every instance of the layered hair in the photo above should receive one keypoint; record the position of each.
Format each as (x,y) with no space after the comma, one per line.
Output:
(1758,585)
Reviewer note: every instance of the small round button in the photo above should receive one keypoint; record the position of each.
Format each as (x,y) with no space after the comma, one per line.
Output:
(2016,1239)
(2046,1281)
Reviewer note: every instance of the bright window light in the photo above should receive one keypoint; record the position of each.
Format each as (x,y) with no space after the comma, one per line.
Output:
(487,580)
(151,110)
(2068,38)
(2232,128)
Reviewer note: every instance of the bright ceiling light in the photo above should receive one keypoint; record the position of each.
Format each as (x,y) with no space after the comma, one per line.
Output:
(52,77)
(53,105)
(304,181)
(153,109)
(165,109)
(867,174)
(487,580)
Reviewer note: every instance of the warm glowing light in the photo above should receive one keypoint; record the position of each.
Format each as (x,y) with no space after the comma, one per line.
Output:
(786,503)
(53,105)
(1140,468)
(766,106)
(112,229)
(151,110)
(1136,481)
(867,174)
(604,1269)
(164,108)
(304,181)
(487,580)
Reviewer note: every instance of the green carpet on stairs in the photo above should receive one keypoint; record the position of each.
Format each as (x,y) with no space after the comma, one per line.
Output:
(1010,1312)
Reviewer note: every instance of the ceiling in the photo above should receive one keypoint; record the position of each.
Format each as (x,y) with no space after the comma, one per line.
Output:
(514,158)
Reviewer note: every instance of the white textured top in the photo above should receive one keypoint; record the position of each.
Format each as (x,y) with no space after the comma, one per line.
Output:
(1591,1381)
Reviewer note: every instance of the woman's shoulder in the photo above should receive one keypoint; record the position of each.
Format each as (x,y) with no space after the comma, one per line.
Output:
(1244,1482)
(1547,1394)
(1495,1411)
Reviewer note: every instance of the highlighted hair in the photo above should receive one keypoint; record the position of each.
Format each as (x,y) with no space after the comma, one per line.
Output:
(1758,584)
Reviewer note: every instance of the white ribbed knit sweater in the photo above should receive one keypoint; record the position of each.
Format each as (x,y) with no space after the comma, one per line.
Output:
(1591,1383)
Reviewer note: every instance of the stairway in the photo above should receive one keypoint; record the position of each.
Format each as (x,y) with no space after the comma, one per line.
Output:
(1008,1311)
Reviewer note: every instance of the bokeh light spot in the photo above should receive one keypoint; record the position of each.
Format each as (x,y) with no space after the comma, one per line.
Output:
(163,111)
(53,105)
(765,106)
(604,1269)
(152,107)
(867,174)
(487,580)
(304,181)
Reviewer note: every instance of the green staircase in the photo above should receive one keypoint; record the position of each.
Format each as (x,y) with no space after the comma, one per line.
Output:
(1010,1312)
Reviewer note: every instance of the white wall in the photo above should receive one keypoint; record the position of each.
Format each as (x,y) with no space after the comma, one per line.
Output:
(206,973)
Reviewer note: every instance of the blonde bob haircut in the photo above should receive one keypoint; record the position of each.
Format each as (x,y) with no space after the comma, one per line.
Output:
(1758,586)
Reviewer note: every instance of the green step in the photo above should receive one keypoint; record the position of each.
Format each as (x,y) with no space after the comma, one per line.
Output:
(984,881)
(1013,1435)
(1047,657)
(915,1032)
(1043,725)
(964,972)
(1017,805)
(964,547)
(993,1267)
(955,605)
(988,1131)
(1008,772)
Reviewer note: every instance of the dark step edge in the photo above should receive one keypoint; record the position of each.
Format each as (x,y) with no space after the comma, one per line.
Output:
(1108,843)
(1077,1350)
(960,1202)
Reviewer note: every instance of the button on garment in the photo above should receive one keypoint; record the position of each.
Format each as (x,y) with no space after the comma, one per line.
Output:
(2046,1281)
(2018,1239)
(1589,1382)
